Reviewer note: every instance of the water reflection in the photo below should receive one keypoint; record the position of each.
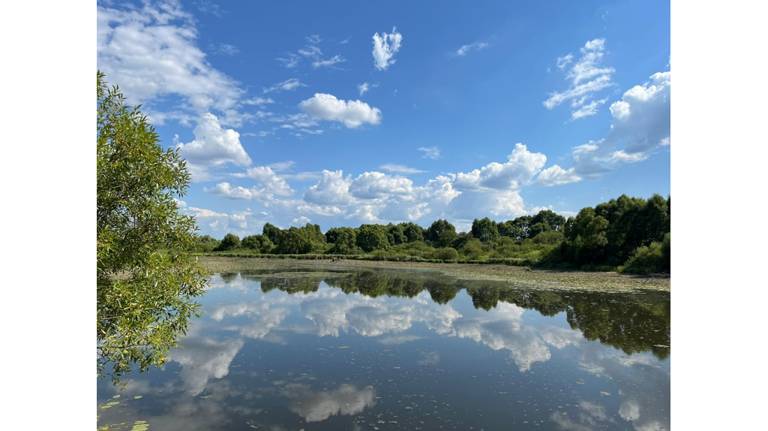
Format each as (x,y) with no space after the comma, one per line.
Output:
(386,350)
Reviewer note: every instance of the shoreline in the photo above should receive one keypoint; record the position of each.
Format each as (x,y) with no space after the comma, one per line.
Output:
(515,276)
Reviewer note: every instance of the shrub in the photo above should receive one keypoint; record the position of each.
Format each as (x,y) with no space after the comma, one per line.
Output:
(445,253)
(653,258)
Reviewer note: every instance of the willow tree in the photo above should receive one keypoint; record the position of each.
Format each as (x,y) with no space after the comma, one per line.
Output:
(146,281)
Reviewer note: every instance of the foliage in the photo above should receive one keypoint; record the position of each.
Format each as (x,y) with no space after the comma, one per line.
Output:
(204,244)
(413,232)
(445,253)
(485,230)
(260,243)
(146,281)
(299,240)
(229,242)
(372,237)
(649,259)
(603,237)
(343,240)
(610,233)
(441,233)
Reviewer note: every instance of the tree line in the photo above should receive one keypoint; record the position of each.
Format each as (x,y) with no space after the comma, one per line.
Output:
(630,234)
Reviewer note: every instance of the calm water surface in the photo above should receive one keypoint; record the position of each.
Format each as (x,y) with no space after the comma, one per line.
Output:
(403,350)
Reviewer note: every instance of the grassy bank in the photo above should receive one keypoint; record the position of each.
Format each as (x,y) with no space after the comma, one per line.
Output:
(517,276)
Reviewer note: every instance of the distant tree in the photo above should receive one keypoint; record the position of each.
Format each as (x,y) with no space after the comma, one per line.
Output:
(372,237)
(413,232)
(343,240)
(229,242)
(441,233)
(145,279)
(272,232)
(485,230)
(548,220)
(301,240)
(204,244)
(395,234)
(260,243)
(586,237)
(517,229)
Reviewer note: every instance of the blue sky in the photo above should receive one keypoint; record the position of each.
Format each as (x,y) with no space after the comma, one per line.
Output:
(342,113)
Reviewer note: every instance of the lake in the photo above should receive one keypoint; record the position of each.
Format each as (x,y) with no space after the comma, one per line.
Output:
(379,350)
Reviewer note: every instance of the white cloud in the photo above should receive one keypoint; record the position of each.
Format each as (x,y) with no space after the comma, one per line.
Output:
(388,195)
(268,185)
(564,61)
(587,76)
(365,87)
(641,124)
(385,46)
(351,113)
(399,169)
(202,359)
(333,188)
(519,169)
(555,176)
(227,190)
(587,109)
(287,85)
(218,223)
(336,59)
(258,101)
(312,53)
(371,185)
(432,152)
(466,49)
(317,406)
(151,51)
(213,146)
(268,180)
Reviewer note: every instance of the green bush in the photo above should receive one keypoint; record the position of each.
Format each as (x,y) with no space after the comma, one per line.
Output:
(653,258)
(445,254)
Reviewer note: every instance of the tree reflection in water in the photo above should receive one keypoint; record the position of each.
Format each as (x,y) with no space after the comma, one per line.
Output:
(632,322)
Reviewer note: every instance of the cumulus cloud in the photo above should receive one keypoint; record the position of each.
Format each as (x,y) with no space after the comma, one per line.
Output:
(641,124)
(371,185)
(390,196)
(213,145)
(351,113)
(466,49)
(332,188)
(587,76)
(266,179)
(151,51)
(266,186)
(519,169)
(555,176)
(227,190)
(202,359)
(317,406)
(385,46)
